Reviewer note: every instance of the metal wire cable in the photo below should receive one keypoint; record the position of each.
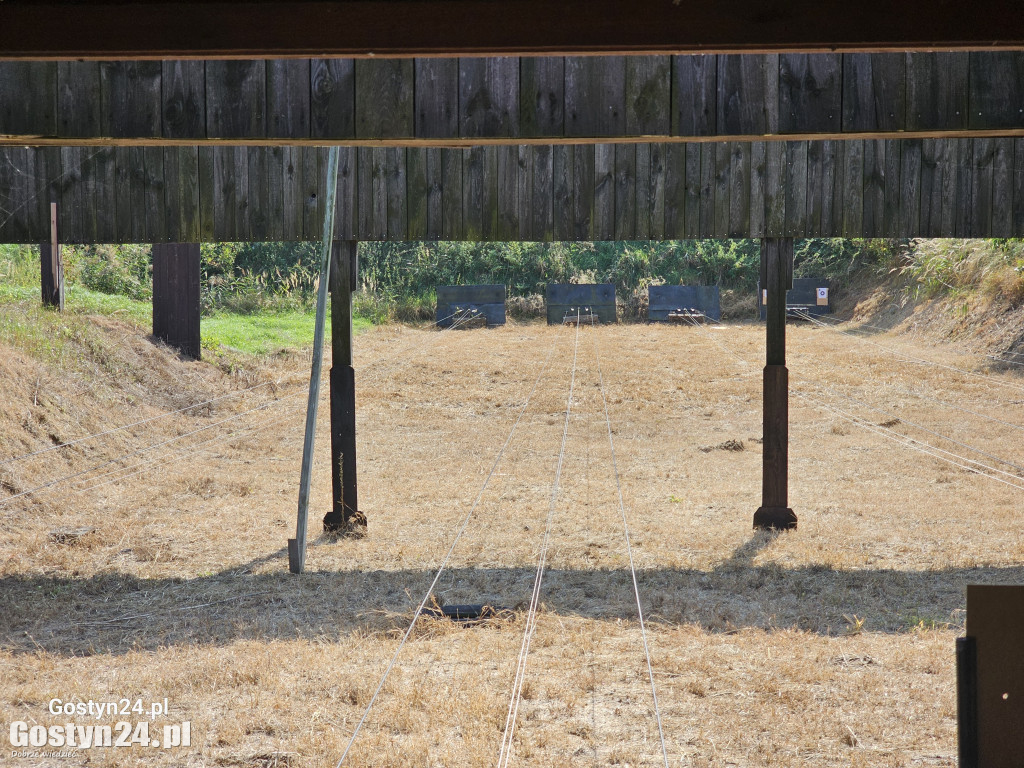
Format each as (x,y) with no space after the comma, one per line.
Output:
(447,557)
(505,754)
(629,551)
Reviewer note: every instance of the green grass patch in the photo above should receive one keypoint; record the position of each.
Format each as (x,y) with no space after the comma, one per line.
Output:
(264,334)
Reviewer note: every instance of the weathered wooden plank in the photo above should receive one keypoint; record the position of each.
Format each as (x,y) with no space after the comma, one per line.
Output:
(758,160)
(489,96)
(1018,187)
(643,191)
(910,187)
(69,208)
(20,190)
(996,89)
(524,192)
(437,97)
(981,187)
(384,98)
(172,197)
(874,91)
(723,186)
(28,98)
(796,188)
(874,188)
(543,224)
(275,194)
(775,178)
(236,99)
(693,190)
(123,195)
(155,209)
(542,96)
(332,99)
(963,207)
(947,149)
(364,193)
(183,97)
(314,172)
(257,211)
(345,212)
(656,192)
(743,94)
(815,188)
(435,207)
(291,184)
(930,189)
(604,192)
(480,192)
(648,95)
(398,215)
(289,85)
(810,92)
(694,90)
(78,108)
(416,179)
(41,191)
(893,189)
(378,194)
(595,95)
(131,98)
(207,193)
(853,188)
(625,191)
(561,185)
(739,189)
(937,91)
(452,225)
(508,193)
(676,189)
(707,190)
(1002,189)
(831,188)
(243,222)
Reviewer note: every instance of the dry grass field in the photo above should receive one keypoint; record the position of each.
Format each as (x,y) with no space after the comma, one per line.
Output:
(829,646)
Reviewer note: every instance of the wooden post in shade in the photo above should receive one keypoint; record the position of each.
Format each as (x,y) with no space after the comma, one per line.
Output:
(345,514)
(51,267)
(176,296)
(776,278)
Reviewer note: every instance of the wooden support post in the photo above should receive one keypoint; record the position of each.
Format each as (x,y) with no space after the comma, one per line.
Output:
(345,514)
(176,296)
(777,278)
(51,266)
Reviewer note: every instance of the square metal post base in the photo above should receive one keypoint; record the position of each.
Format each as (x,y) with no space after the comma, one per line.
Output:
(775,518)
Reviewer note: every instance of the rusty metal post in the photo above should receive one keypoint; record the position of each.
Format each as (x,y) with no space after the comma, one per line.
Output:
(776,279)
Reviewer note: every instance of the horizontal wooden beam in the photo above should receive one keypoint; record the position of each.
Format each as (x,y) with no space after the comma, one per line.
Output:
(31,29)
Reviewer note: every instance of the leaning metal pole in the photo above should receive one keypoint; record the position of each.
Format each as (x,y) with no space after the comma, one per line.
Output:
(297,546)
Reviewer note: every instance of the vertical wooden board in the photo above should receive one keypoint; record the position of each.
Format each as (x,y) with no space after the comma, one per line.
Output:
(524,201)
(1002,189)
(810,92)
(19,221)
(379,193)
(49,164)
(69,206)
(815,187)
(937,95)
(910,186)
(775,181)
(385,98)
(437,97)
(102,191)
(604,192)
(416,180)
(183,97)
(314,183)
(258,211)
(675,191)
(931,189)
(131,95)
(656,191)
(289,86)
(398,221)
(243,210)
(874,91)
(796,188)
(561,185)
(893,188)
(435,193)
(648,95)
(156,210)
(874,188)
(951,172)
(595,95)
(292,191)
(452,225)
(345,200)
(758,160)
(964,206)
(739,188)
(982,173)
(78,108)
(996,89)
(643,192)
(122,196)
(275,194)
(475,188)
(831,190)
(625,191)
(188,181)
(852,214)
(543,203)
(743,94)
(508,192)
(207,193)
(236,97)
(693,189)
(584,164)
(364,192)
(224,202)
(91,189)
(694,94)
(722,188)
(28,98)
(708,174)
(542,96)
(1018,187)
(172,198)
(489,96)
(332,99)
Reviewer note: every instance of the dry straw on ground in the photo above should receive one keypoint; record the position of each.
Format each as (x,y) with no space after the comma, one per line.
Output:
(829,646)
